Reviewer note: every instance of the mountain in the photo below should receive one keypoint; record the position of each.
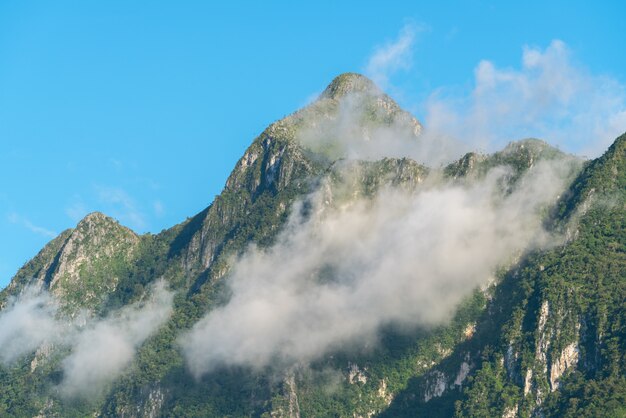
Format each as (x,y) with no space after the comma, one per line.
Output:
(337,276)
(82,265)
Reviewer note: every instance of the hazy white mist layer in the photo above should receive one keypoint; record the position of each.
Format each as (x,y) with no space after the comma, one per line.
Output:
(337,277)
(105,348)
(369,126)
(100,349)
(25,323)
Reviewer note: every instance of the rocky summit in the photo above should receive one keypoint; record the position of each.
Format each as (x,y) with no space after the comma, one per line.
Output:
(339,274)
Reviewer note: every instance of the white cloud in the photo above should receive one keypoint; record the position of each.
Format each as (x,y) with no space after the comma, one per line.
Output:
(25,222)
(104,349)
(100,349)
(550,97)
(351,268)
(391,57)
(122,206)
(25,323)
(349,132)
(158,207)
(77,210)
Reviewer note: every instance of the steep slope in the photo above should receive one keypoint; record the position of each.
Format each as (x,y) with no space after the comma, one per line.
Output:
(549,313)
(274,171)
(551,342)
(277,167)
(82,266)
(520,155)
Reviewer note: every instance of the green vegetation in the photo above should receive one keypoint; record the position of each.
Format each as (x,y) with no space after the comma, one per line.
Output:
(501,353)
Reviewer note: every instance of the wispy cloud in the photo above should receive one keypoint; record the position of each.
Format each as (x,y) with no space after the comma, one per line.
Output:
(77,209)
(336,278)
(339,273)
(159,209)
(550,96)
(122,205)
(117,164)
(391,57)
(25,323)
(101,348)
(18,219)
(105,348)
(396,135)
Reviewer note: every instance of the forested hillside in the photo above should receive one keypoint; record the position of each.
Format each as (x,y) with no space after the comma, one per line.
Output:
(339,273)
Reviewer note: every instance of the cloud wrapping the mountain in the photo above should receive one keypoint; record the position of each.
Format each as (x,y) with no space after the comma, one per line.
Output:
(367,125)
(100,349)
(550,97)
(103,349)
(354,266)
(25,323)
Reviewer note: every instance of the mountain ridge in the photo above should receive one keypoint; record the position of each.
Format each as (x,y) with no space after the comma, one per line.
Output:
(424,371)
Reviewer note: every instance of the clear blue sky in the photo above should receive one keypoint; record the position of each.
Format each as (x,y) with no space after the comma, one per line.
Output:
(140,109)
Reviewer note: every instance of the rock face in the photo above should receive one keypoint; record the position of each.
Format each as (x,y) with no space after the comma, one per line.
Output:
(282,163)
(272,168)
(464,371)
(350,83)
(557,326)
(550,364)
(292,396)
(437,384)
(356,375)
(545,319)
(36,270)
(85,272)
(81,267)
(510,412)
(567,360)
(543,341)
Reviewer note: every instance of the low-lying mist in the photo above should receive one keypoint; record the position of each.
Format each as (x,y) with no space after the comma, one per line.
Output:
(99,349)
(340,271)
(103,349)
(27,322)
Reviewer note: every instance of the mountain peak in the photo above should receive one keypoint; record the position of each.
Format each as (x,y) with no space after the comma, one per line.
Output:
(347,83)
(83,271)
(94,217)
(533,148)
(532,143)
(99,229)
(98,221)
